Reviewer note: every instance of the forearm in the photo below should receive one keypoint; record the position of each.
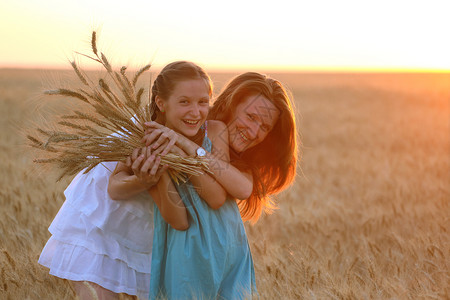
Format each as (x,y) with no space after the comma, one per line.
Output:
(237,184)
(170,204)
(189,147)
(226,177)
(206,186)
(209,190)
(122,186)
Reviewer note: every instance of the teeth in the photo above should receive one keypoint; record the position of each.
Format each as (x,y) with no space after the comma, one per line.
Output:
(191,122)
(243,136)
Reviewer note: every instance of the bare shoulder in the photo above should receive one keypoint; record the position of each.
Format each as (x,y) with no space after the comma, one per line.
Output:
(218,133)
(217,128)
(216,125)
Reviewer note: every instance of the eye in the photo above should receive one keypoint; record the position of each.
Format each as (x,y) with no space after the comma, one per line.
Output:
(204,101)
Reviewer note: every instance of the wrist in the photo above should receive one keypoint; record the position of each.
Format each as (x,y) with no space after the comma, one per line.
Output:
(147,185)
(164,177)
(188,147)
(181,141)
(200,152)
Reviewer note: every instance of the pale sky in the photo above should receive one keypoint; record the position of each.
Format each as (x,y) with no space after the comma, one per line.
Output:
(259,35)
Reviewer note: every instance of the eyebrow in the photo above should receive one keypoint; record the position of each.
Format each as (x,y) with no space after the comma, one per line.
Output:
(187,97)
(267,108)
(262,119)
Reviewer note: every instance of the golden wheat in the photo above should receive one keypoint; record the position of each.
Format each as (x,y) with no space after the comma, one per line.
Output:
(109,131)
(367,220)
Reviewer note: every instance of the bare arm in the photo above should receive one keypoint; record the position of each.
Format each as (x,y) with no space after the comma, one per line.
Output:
(237,184)
(206,185)
(170,205)
(132,178)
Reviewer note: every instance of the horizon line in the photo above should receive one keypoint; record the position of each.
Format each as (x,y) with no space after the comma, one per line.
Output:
(260,69)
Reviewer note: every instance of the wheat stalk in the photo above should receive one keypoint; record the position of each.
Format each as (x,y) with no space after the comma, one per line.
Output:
(111,128)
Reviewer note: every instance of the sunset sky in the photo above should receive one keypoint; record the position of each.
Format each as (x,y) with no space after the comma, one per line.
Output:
(241,35)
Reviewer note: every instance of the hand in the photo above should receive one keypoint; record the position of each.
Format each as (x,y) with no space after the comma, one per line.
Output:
(146,167)
(160,138)
(177,150)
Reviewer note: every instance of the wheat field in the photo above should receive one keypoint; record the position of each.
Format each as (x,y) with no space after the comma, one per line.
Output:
(367,217)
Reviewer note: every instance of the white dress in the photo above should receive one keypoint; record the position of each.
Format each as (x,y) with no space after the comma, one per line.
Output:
(97,239)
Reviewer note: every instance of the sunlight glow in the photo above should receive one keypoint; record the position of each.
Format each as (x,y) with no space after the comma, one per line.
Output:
(232,35)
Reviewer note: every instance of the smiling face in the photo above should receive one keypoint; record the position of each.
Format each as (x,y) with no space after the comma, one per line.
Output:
(251,122)
(187,106)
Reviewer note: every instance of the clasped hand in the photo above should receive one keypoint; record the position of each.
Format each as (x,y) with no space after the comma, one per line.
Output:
(160,138)
(146,166)
(146,162)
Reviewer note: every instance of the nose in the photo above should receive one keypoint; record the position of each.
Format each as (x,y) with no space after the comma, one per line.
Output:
(253,131)
(195,110)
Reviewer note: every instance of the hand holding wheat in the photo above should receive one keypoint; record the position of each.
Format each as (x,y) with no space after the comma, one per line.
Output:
(110,129)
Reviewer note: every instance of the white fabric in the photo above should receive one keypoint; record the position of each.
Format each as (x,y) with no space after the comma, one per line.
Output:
(101,240)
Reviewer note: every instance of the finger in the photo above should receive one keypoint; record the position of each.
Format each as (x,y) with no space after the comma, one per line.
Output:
(154,169)
(144,152)
(135,154)
(149,138)
(148,124)
(169,146)
(160,140)
(136,164)
(147,165)
(128,162)
(149,130)
(160,148)
(153,124)
(161,170)
(177,150)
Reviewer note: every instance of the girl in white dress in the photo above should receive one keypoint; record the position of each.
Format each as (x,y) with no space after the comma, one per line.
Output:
(103,245)
(99,240)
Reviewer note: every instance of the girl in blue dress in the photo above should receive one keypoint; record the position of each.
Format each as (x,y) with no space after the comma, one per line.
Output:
(212,259)
(209,260)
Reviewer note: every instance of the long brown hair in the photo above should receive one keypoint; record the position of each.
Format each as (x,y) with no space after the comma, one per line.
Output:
(166,81)
(272,162)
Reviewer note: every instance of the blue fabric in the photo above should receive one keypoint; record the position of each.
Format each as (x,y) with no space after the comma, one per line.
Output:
(210,260)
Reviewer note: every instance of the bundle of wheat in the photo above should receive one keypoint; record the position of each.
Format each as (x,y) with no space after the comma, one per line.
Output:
(110,129)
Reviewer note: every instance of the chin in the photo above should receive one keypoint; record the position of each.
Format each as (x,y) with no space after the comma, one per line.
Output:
(237,148)
(190,132)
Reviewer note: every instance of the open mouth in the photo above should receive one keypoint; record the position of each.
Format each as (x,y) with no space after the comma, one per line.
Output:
(191,122)
(243,136)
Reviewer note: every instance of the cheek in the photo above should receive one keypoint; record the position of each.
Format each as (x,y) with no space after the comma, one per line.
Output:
(262,137)
(172,113)
(237,121)
(231,126)
(204,111)
(179,111)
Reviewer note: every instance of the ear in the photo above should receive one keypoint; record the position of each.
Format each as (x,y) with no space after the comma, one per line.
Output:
(160,103)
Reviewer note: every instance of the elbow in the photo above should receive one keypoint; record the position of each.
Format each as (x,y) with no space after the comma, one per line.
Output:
(244,193)
(180,226)
(219,201)
(112,193)
(115,193)
(178,222)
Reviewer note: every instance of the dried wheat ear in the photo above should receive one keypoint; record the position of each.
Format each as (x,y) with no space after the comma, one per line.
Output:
(109,129)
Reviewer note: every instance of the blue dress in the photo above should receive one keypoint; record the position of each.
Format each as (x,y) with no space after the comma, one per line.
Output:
(210,260)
